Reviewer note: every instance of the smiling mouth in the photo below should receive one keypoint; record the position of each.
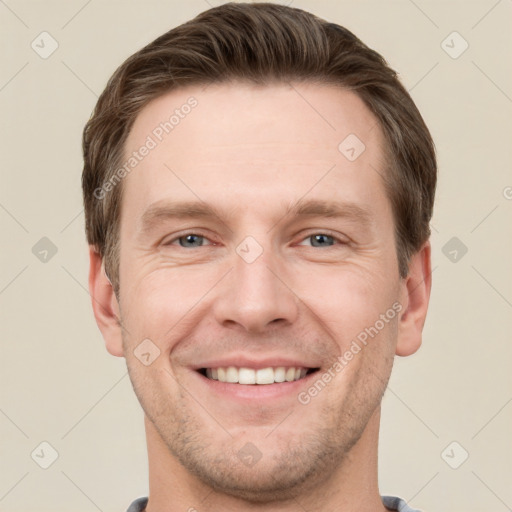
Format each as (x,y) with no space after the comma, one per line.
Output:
(251,376)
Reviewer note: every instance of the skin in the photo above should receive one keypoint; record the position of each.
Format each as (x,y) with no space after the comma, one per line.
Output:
(251,152)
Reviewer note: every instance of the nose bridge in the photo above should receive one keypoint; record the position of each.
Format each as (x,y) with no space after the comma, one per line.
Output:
(254,295)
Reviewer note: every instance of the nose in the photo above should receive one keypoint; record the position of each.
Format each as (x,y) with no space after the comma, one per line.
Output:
(254,296)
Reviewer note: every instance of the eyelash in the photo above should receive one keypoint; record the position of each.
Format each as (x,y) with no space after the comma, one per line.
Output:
(198,233)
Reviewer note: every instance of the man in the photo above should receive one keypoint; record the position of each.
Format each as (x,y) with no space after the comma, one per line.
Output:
(258,187)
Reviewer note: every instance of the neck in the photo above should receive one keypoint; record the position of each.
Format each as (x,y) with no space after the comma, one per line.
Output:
(351,486)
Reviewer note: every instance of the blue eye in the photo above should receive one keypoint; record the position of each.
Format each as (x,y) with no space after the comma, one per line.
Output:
(321,240)
(191,240)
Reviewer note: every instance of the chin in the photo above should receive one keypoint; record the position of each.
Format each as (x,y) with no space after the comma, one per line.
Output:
(260,483)
(285,468)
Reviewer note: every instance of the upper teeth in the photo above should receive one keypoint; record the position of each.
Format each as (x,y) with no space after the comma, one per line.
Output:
(242,375)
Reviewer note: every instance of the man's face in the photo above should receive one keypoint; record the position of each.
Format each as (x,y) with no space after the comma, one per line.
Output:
(258,285)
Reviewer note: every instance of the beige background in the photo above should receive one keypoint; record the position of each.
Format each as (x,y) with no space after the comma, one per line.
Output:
(58,383)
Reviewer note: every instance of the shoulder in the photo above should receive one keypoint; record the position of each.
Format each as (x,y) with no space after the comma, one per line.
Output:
(138,505)
(395,503)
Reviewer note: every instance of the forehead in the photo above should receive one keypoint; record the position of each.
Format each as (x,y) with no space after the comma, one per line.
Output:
(238,143)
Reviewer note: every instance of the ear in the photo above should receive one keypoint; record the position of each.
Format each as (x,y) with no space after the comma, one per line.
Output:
(104,304)
(415,294)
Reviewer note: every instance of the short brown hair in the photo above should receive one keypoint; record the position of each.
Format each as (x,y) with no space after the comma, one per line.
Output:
(260,43)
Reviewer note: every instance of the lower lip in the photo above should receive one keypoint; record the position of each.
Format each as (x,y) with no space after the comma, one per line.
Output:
(264,392)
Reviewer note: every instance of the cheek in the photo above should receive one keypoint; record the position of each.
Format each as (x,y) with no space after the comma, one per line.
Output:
(345,300)
(163,303)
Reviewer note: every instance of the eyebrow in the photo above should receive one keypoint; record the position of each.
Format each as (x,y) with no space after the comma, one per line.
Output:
(314,207)
(168,210)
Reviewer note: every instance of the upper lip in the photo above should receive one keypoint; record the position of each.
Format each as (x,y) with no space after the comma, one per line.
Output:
(245,361)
